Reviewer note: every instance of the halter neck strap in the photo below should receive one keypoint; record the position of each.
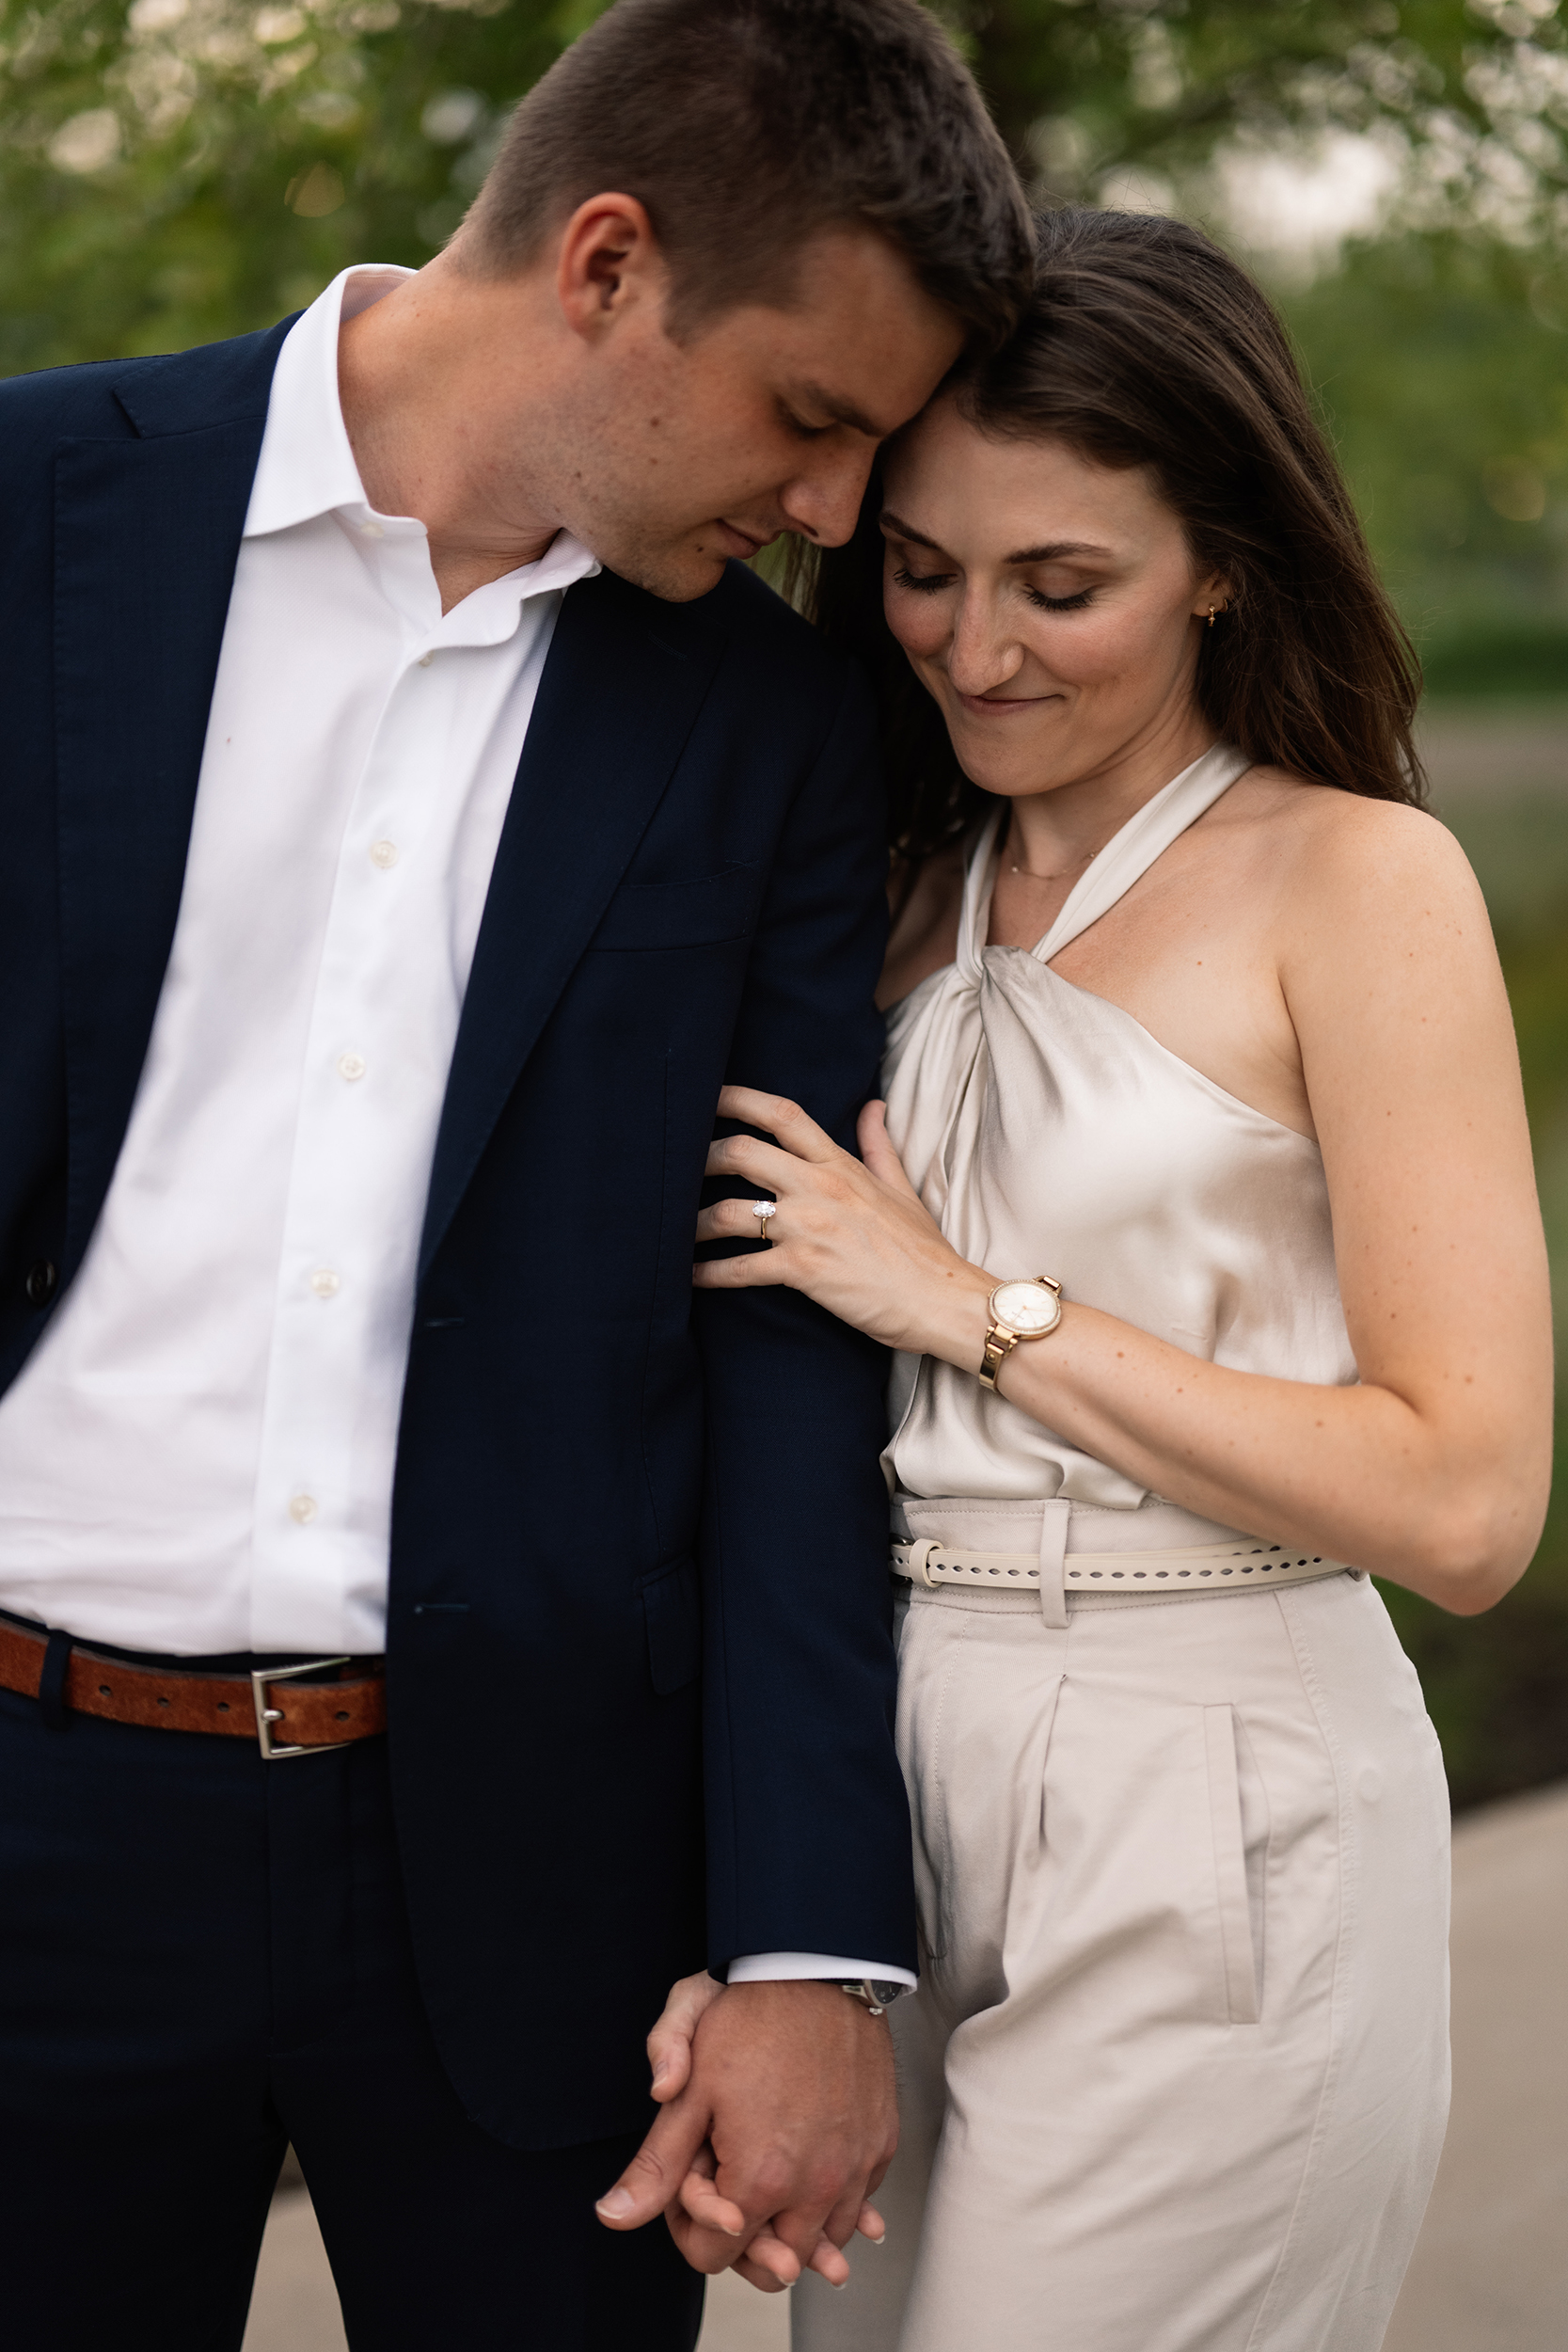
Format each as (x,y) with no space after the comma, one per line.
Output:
(1124,860)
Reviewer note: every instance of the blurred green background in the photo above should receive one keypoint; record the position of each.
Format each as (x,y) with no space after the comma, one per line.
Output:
(176,170)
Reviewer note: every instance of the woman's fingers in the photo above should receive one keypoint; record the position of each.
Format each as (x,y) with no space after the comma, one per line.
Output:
(759,1270)
(702,2201)
(768,2261)
(757,1162)
(670,2043)
(777,1116)
(876,1149)
(870,2225)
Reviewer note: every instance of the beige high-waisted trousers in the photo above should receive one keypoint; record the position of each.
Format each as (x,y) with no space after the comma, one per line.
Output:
(1175,2076)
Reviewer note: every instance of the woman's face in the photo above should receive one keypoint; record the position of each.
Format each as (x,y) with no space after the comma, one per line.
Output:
(1050,604)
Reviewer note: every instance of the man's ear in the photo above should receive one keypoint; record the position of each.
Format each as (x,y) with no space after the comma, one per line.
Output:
(608,262)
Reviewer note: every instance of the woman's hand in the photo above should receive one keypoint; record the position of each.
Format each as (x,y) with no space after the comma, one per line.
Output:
(852,1233)
(767,2262)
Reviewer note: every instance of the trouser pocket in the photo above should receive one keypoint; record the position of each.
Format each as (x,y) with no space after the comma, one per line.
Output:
(1233,1903)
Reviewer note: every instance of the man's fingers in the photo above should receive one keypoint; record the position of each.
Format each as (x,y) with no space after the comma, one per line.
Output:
(652,2178)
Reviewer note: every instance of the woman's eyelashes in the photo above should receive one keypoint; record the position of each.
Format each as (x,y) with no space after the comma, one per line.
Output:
(924,584)
(1058,604)
(931,583)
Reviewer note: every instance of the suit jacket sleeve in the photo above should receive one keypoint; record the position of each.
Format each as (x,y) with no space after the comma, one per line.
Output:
(808,1828)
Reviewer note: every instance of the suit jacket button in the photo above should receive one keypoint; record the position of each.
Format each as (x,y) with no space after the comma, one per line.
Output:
(41,1284)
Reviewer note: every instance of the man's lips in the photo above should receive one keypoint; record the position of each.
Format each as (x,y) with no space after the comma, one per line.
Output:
(742,542)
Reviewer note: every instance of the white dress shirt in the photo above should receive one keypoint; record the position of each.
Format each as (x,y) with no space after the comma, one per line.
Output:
(197,1456)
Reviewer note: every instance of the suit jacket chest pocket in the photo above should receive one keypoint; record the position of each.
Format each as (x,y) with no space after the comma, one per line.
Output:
(704,912)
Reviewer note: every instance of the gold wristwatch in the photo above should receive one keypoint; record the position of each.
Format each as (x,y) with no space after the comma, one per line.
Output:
(1019,1310)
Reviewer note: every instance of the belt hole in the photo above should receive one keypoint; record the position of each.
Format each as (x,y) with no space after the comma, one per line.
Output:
(163,1702)
(341,1716)
(223,1707)
(105,1692)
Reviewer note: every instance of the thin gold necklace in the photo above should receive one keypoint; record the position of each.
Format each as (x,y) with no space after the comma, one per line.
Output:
(1087,859)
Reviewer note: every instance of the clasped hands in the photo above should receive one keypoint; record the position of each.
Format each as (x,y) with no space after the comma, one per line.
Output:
(779,2118)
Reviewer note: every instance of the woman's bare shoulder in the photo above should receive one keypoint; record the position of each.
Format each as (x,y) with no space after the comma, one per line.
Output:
(924,934)
(1325,841)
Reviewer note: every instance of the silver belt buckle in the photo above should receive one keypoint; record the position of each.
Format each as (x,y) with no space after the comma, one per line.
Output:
(266,1716)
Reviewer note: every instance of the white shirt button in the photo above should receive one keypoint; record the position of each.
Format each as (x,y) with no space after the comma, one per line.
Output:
(372,530)
(303,1508)
(350,1065)
(384,854)
(326,1283)
(426,660)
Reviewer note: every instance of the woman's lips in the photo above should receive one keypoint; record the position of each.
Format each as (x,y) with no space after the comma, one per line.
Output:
(992,707)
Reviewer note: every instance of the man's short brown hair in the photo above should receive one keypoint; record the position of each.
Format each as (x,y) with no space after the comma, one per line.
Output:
(745,127)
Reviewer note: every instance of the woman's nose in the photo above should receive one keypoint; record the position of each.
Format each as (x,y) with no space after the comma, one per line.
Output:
(981,654)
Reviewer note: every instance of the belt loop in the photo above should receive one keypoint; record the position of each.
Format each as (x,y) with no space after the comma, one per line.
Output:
(919,1554)
(1054,1527)
(56,1657)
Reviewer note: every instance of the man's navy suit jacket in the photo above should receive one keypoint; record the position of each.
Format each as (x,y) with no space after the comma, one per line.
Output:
(638,1551)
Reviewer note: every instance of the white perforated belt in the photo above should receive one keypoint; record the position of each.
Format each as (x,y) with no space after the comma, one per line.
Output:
(1188,1572)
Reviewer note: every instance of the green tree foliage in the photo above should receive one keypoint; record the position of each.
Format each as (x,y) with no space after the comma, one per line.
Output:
(176,170)
(1442,364)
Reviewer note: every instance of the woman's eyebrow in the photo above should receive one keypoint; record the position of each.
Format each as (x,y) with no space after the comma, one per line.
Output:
(1055,548)
(901,530)
(1047,554)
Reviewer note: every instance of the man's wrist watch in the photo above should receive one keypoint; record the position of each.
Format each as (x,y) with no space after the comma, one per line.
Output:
(1018,1310)
(874,1993)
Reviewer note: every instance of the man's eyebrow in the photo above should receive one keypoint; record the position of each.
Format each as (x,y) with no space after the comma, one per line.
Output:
(841,411)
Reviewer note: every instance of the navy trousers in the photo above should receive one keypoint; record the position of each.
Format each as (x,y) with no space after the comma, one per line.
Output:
(203,1957)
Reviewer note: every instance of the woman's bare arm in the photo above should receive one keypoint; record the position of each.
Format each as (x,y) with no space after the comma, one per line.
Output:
(1434,1471)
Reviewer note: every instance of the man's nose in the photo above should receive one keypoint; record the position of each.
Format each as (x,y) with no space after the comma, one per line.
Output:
(824,499)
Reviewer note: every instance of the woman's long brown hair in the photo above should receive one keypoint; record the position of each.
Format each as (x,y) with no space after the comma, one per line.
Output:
(1146,345)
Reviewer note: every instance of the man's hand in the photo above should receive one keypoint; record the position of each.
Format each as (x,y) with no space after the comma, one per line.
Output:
(792,2094)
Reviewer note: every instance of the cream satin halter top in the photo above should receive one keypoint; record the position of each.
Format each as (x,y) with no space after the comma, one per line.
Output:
(1047,1133)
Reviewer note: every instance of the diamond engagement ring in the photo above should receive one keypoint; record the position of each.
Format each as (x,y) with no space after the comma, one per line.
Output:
(762,1211)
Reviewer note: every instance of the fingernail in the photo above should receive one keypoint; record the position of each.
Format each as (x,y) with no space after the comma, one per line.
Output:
(661,2071)
(616,2207)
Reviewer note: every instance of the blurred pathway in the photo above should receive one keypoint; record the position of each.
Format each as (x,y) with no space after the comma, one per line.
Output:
(1491,2272)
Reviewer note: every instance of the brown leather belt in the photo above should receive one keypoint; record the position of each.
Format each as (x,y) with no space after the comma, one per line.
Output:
(284,1715)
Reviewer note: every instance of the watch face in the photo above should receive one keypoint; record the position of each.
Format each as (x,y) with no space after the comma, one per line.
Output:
(1028,1308)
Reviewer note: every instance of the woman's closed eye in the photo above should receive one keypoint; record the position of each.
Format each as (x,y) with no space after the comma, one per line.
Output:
(924,584)
(1043,603)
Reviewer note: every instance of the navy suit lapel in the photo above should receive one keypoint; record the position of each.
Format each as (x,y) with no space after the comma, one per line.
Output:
(147,534)
(624,680)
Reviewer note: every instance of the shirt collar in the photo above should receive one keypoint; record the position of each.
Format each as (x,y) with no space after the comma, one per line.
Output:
(307,468)
(306,465)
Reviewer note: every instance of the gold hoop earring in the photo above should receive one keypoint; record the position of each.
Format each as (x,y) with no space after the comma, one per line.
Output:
(1210,617)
